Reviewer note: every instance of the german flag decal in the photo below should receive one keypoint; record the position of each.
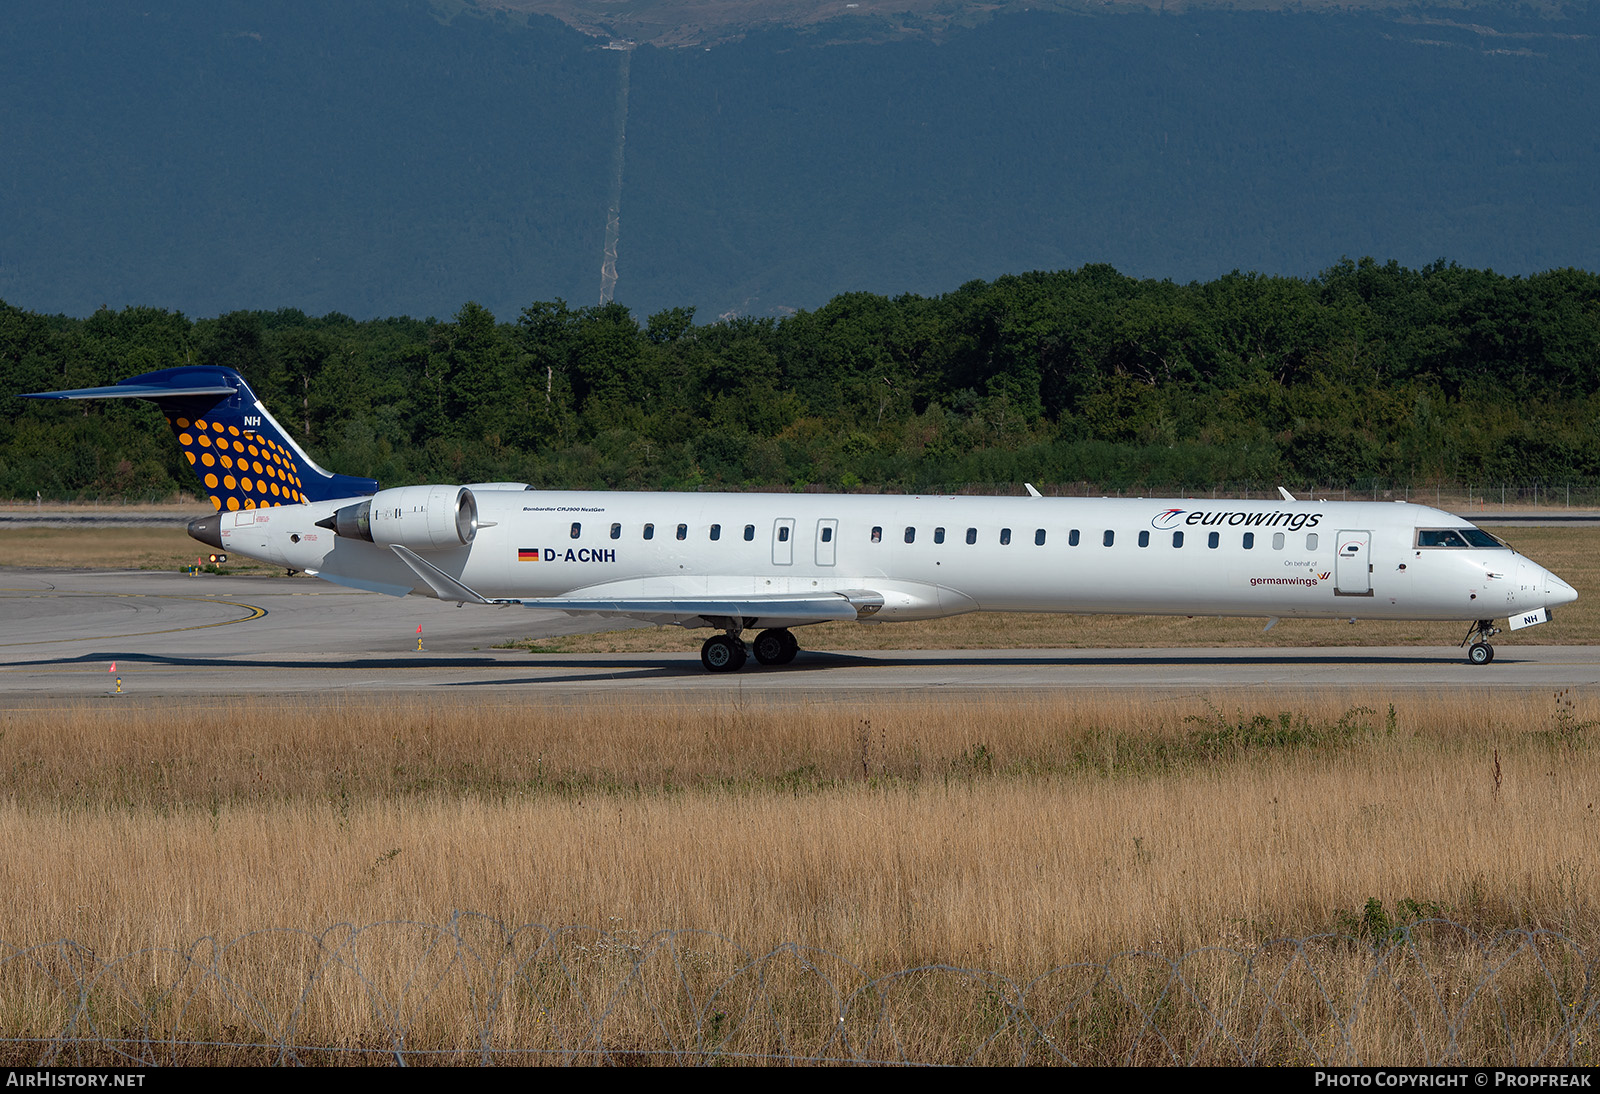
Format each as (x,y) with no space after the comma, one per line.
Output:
(527,554)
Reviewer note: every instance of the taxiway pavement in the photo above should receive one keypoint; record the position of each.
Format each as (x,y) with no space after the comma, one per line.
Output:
(172,635)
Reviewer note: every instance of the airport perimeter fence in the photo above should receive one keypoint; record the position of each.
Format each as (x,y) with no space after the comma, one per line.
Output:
(1545,495)
(475,992)
(1538,494)
(1541,495)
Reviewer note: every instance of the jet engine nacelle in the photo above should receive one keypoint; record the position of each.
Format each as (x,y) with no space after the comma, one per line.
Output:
(423,518)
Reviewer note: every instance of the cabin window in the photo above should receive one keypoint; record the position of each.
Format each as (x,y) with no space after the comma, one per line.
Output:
(827,535)
(911,535)
(1214,540)
(877,534)
(1072,538)
(1311,541)
(972,535)
(1005,536)
(577,529)
(683,531)
(1144,539)
(938,535)
(1277,541)
(1038,537)
(716,531)
(616,531)
(749,532)
(1177,539)
(783,533)
(649,531)
(1249,541)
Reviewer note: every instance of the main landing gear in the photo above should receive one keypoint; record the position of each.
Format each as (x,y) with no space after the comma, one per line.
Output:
(726,652)
(775,647)
(1479,652)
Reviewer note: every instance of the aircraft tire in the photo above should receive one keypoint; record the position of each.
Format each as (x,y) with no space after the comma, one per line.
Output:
(722,654)
(1480,653)
(775,646)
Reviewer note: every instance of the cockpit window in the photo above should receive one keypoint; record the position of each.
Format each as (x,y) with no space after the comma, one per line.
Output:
(1457,537)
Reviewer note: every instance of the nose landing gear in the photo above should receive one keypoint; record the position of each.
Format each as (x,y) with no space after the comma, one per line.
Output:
(1479,652)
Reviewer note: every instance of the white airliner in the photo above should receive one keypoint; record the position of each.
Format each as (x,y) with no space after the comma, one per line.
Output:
(774,562)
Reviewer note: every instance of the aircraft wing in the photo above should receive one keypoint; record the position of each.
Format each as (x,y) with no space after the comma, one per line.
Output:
(743,611)
(774,610)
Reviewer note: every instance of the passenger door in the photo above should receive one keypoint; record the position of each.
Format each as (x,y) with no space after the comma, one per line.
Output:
(1352,568)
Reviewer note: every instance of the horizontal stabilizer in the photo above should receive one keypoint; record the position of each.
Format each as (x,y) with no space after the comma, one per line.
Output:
(134,391)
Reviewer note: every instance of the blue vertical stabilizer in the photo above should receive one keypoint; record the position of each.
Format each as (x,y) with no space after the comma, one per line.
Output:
(242,456)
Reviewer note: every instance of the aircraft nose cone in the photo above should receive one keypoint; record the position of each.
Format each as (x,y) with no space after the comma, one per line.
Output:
(1558,592)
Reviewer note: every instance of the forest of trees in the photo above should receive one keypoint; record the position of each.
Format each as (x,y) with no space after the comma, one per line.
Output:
(1367,372)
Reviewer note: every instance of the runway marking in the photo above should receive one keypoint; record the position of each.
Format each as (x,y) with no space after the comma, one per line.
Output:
(255,612)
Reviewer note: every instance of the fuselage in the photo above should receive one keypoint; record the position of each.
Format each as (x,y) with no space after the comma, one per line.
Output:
(930,556)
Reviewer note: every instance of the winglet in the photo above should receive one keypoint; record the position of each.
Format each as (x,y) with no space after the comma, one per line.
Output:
(1032,490)
(1286,495)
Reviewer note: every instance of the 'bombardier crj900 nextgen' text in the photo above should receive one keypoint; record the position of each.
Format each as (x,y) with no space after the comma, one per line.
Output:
(774,562)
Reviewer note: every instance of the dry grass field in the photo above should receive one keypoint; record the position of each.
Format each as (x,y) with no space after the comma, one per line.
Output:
(110,547)
(1014,836)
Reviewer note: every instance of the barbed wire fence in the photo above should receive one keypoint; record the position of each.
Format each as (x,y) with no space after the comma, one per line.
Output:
(475,991)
